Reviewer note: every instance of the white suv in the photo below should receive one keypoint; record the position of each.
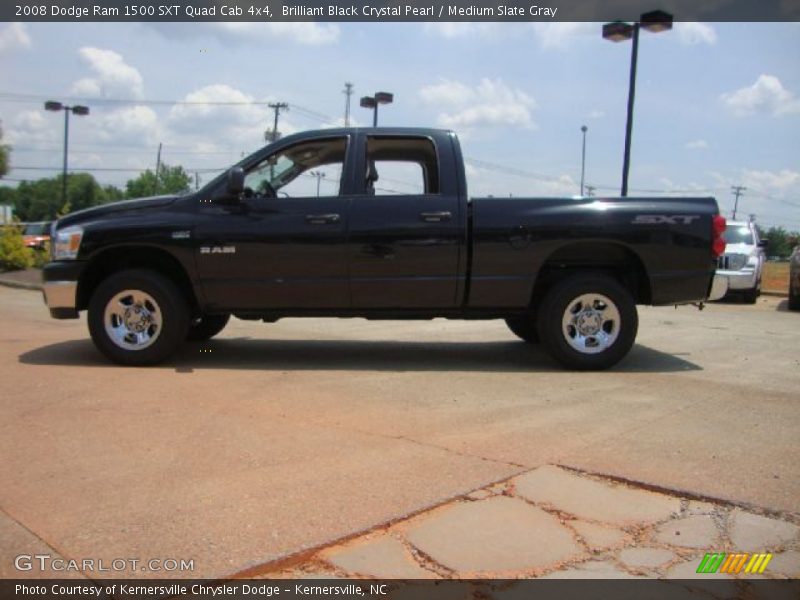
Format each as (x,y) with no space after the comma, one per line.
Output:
(743,261)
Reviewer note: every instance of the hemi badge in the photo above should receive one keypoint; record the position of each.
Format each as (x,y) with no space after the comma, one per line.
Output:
(181,235)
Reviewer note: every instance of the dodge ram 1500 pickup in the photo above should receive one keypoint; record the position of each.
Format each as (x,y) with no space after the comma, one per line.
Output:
(376,223)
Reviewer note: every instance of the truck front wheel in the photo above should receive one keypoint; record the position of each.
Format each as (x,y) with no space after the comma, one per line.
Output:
(588,322)
(138,317)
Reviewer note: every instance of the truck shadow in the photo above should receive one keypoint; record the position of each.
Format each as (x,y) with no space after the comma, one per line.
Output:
(356,355)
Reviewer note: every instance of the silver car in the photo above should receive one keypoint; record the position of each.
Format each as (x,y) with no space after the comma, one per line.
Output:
(743,261)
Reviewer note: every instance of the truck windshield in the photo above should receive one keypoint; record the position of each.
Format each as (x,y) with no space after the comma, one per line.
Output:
(738,235)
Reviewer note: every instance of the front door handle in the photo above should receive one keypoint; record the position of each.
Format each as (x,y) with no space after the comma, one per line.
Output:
(436,217)
(323,219)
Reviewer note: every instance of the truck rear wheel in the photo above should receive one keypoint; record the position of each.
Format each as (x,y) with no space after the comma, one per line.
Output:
(206,327)
(138,317)
(524,328)
(588,322)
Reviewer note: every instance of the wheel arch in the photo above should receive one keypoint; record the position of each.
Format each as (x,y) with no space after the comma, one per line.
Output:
(119,258)
(612,258)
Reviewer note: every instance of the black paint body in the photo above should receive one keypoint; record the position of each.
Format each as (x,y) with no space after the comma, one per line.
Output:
(381,258)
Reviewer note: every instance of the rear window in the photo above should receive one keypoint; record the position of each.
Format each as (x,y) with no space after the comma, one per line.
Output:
(35,229)
(738,235)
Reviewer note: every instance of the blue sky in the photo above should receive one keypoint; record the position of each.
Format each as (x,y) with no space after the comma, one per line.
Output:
(717,104)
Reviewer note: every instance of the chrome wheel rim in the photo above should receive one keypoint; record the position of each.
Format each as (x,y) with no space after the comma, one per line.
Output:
(132,320)
(591,323)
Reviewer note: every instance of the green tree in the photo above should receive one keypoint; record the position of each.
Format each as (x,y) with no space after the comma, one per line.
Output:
(779,243)
(13,253)
(5,151)
(170,180)
(40,200)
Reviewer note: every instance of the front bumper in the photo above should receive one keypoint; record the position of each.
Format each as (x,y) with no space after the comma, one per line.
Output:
(60,287)
(746,279)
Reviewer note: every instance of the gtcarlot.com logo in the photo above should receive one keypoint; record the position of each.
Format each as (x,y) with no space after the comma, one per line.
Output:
(737,562)
(46,562)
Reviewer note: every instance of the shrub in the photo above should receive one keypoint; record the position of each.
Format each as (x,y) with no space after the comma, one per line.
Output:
(13,253)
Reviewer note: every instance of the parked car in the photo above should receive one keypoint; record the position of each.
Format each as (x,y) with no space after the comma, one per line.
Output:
(794,279)
(743,261)
(259,243)
(36,234)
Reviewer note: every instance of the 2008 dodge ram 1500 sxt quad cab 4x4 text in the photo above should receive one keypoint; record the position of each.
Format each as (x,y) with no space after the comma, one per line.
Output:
(376,223)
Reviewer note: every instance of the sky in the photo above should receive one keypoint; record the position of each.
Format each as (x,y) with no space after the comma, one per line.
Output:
(717,104)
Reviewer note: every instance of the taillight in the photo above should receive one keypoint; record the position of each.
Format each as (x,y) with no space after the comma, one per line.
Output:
(718,242)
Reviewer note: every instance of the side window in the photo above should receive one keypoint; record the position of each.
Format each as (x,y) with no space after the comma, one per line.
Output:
(307,169)
(401,166)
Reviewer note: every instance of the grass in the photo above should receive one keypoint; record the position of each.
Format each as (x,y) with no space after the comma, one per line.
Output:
(775,277)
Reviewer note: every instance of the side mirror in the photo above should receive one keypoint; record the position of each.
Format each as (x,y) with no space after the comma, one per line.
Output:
(763,243)
(235,181)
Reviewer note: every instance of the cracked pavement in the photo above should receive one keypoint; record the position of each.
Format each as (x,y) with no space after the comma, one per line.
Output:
(282,445)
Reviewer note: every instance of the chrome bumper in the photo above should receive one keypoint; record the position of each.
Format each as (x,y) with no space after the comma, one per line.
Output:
(61,298)
(718,288)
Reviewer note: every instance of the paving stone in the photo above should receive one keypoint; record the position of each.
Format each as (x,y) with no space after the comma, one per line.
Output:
(598,537)
(383,557)
(500,534)
(698,531)
(754,533)
(592,570)
(786,563)
(479,495)
(590,499)
(701,508)
(647,558)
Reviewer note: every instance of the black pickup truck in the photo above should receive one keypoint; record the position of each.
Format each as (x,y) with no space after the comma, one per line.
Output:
(376,223)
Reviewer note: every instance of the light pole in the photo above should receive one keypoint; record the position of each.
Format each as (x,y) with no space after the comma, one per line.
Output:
(373,102)
(77,110)
(618,31)
(319,175)
(583,156)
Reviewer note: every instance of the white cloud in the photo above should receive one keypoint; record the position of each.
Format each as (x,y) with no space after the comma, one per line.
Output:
(113,76)
(596,114)
(767,94)
(771,181)
(697,145)
(491,102)
(692,33)
(14,36)
(303,32)
(451,30)
(136,125)
(560,35)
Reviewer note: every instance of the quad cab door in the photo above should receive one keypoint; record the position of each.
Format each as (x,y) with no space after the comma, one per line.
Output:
(407,230)
(282,245)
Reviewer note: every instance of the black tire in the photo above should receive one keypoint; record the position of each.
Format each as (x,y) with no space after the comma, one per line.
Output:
(751,296)
(158,297)
(524,328)
(794,300)
(206,327)
(616,321)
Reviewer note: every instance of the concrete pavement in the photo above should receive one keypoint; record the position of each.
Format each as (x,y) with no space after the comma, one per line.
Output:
(276,442)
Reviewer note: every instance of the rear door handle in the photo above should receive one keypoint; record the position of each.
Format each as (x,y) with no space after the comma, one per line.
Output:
(435,217)
(323,219)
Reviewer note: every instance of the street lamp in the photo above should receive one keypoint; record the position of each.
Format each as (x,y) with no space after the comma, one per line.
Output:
(78,110)
(319,175)
(619,31)
(373,102)
(583,156)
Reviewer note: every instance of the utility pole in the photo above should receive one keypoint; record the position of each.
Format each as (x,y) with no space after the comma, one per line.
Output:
(158,167)
(583,156)
(737,191)
(348,91)
(319,175)
(273,136)
(196,181)
(590,190)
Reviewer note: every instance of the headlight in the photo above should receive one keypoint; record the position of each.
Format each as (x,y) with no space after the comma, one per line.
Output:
(67,243)
(753,260)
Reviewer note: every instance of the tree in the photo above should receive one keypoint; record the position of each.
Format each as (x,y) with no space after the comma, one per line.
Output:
(778,239)
(40,200)
(170,180)
(5,151)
